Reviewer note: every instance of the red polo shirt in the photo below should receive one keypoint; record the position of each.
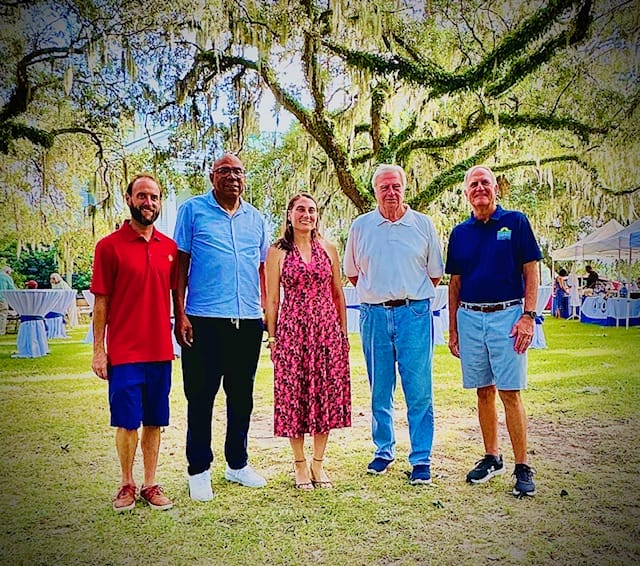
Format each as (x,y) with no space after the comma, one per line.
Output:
(137,276)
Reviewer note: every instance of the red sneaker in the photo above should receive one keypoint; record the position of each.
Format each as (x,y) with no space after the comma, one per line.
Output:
(125,500)
(155,497)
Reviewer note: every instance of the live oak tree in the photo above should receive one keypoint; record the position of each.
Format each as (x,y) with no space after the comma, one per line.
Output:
(74,82)
(546,93)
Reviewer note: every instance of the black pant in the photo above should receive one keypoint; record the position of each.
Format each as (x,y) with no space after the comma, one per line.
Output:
(223,350)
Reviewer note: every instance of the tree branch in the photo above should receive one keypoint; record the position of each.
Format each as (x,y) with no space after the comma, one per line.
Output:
(316,124)
(81,130)
(483,119)
(450,177)
(512,44)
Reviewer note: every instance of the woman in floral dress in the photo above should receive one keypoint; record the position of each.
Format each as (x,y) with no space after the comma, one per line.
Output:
(307,339)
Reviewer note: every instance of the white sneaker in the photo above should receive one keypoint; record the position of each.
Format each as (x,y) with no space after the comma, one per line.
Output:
(200,486)
(246,476)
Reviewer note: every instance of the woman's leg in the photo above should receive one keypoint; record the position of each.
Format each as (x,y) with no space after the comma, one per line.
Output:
(303,480)
(318,475)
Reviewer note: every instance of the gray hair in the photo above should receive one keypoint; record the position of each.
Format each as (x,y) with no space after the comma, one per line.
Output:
(475,168)
(387,168)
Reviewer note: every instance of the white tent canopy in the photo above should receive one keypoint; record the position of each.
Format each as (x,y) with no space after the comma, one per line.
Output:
(619,245)
(577,251)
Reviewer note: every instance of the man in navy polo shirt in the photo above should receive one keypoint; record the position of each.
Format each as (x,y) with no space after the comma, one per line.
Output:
(492,258)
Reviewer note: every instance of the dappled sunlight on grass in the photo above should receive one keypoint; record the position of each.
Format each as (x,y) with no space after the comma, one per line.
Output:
(59,471)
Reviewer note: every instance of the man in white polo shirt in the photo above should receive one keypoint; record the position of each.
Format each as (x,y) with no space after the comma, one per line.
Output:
(394,259)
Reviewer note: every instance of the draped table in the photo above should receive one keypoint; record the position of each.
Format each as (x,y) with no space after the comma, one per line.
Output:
(90,298)
(353,309)
(610,311)
(539,341)
(32,305)
(55,317)
(440,316)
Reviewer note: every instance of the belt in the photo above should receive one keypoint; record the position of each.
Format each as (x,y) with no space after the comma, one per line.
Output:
(490,307)
(394,303)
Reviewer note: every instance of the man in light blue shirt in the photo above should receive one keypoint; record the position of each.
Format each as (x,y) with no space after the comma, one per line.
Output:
(394,259)
(222,245)
(6,282)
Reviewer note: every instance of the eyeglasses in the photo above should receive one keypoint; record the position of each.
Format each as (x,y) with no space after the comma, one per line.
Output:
(228,171)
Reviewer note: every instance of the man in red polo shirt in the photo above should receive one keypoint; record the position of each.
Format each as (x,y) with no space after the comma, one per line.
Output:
(134,271)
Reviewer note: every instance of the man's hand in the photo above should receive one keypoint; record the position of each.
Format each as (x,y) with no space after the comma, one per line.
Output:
(523,332)
(454,347)
(99,365)
(183,331)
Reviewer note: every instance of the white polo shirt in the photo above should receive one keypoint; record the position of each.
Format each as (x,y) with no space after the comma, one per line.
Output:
(393,260)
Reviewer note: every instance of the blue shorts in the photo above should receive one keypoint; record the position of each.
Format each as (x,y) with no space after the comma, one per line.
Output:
(486,350)
(139,393)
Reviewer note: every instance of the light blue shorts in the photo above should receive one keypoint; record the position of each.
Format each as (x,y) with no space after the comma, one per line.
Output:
(486,350)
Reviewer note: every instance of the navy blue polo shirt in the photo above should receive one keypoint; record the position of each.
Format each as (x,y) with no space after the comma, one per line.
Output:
(489,256)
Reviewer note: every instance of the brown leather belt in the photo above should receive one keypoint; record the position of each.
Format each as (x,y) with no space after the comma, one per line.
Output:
(489,307)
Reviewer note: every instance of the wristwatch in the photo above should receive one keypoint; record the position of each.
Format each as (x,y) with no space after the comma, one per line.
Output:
(531,314)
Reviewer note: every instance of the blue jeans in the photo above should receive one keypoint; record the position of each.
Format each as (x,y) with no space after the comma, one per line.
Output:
(403,336)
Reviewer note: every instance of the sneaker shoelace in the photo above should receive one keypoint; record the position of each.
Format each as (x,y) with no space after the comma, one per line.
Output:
(126,490)
(524,473)
(487,461)
(152,491)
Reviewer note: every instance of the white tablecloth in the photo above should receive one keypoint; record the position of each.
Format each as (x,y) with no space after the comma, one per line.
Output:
(90,298)
(539,341)
(610,311)
(438,307)
(353,309)
(32,334)
(440,313)
(55,317)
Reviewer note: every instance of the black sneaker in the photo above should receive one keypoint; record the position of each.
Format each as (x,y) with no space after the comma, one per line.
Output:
(486,468)
(421,474)
(378,466)
(524,481)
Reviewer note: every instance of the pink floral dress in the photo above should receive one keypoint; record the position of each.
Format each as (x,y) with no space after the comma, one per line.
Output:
(312,387)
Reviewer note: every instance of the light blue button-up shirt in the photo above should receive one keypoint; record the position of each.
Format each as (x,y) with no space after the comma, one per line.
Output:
(226,252)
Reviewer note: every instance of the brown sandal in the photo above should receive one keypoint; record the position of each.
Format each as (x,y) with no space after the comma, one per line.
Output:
(304,485)
(322,484)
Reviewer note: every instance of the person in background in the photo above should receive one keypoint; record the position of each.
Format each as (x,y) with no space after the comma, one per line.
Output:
(134,271)
(560,303)
(6,282)
(57,282)
(493,261)
(394,260)
(31,284)
(307,336)
(592,277)
(222,245)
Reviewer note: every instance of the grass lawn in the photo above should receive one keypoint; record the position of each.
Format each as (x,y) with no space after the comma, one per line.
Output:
(59,470)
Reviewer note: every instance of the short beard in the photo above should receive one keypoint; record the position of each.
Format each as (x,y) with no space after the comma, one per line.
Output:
(136,214)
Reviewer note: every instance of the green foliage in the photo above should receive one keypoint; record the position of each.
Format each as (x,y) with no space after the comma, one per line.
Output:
(543,91)
(37,265)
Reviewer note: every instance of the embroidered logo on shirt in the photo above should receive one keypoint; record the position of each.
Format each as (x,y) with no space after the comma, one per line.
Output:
(504,233)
